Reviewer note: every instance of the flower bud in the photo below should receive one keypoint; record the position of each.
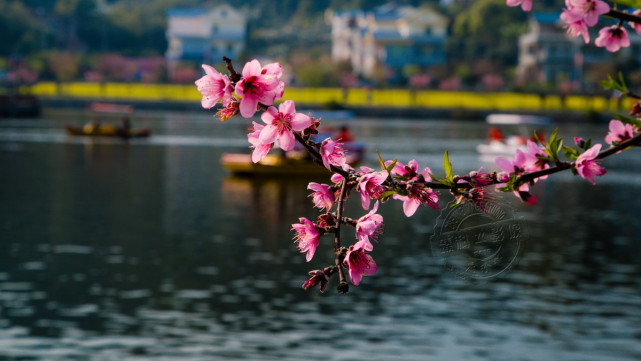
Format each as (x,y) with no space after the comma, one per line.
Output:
(318,277)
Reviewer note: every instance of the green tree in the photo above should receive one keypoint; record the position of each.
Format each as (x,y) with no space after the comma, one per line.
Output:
(487,30)
(19,29)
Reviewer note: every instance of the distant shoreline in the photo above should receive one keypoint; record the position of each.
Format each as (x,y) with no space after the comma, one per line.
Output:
(559,116)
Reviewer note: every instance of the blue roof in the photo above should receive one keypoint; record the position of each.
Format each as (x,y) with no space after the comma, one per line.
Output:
(387,11)
(348,12)
(547,18)
(387,34)
(186,12)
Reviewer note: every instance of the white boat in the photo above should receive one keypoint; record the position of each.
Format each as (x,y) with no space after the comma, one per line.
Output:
(507,147)
(517,119)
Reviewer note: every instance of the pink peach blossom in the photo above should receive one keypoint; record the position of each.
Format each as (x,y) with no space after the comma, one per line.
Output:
(480,179)
(526,5)
(336,178)
(323,196)
(369,226)
(214,87)
(306,236)
(228,111)
(319,277)
(260,149)
(281,124)
(619,132)
(258,85)
(370,185)
(633,25)
(587,165)
(613,38)
(410,170)
(417,194)
(407,171)
(588,10)
(359,264)
(332,154)
(516,166)
(575,24)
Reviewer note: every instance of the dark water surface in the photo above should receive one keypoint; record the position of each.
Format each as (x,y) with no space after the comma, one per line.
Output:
(149,250)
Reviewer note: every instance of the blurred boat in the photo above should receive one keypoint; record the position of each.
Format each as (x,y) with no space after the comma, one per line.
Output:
(271,165)
(110,108)
(339,114)
(19,105)
(106,130)
(507,146)
(517,119)
(293,163)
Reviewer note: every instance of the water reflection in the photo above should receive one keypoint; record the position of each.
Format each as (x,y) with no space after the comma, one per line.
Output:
(116,250)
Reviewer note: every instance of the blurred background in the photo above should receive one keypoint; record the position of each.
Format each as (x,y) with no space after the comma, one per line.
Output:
(452,45)
(132,226)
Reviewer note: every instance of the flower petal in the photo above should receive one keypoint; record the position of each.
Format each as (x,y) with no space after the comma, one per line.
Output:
(410,205)
(252,68)
(286,141)
(269,115)
(300,122)
(287,107)
(269,134)
(248,105)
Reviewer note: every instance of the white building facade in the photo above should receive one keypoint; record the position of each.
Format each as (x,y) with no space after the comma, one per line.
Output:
(390,37)
(205,35)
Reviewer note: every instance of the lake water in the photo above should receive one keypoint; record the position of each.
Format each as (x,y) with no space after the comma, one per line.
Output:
(149,250)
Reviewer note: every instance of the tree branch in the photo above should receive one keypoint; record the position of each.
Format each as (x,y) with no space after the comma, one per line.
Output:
(623,16)
(343,287)
(233,75)
(318,156)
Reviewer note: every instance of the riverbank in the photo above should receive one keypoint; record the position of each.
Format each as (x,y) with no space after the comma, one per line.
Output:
(559,116)
(405,103)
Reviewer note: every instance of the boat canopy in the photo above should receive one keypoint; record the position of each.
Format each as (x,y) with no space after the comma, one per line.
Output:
(517,119)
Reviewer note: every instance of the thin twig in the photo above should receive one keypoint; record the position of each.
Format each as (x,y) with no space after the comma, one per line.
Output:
(526,177)
(623,16)
(233,75)
(318,156)
(343,287)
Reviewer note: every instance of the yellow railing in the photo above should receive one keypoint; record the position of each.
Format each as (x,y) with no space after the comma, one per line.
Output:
(354,97)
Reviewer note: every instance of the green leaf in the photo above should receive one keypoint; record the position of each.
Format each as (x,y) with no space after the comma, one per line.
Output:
(391,166)
(588,144)
(441,180)
(612,84)
(387,194)
(570,152)
(627,119)
(449,175)
(505,189)
(459,199)
(380,159)
(624,88)
(554,146)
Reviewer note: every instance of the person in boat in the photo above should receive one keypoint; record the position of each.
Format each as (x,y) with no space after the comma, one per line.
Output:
(495,134)
(344,135)
(538,137)
(92,126)
(125,126)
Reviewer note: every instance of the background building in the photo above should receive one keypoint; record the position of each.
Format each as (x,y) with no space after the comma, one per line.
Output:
(389,38)
(203,35)
(548,55)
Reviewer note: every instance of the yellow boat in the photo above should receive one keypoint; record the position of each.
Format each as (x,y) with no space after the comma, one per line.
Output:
(106,130)
(273,165)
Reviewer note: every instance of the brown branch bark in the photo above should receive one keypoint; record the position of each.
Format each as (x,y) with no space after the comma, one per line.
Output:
(343,286)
